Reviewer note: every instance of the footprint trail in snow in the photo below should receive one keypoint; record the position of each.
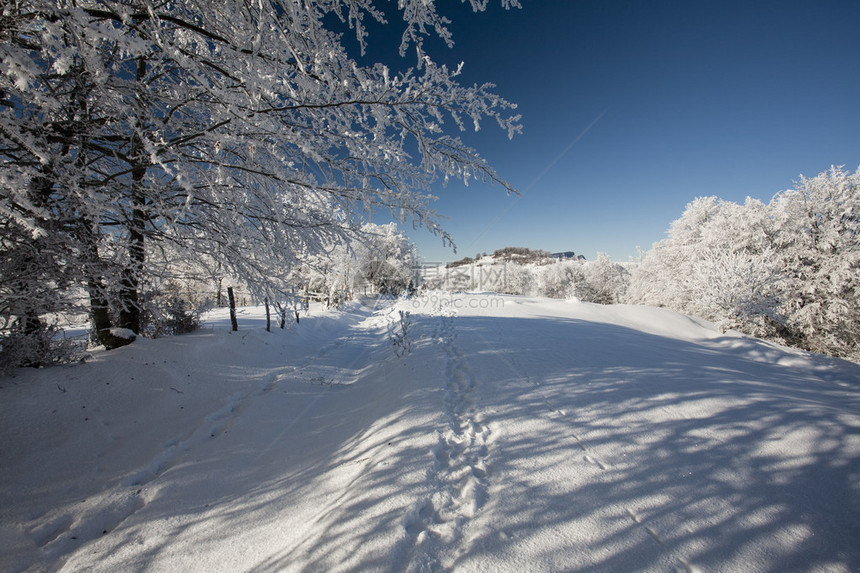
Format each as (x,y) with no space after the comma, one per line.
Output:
(436,526)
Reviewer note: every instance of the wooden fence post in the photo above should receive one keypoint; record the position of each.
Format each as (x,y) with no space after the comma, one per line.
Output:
(232,309)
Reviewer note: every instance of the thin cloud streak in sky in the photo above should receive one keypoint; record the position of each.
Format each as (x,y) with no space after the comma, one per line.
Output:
(564,152)
(540,176)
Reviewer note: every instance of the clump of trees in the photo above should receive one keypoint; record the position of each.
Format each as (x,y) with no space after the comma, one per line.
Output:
(137,134)
(600,281)
(786,270)
(522,254)
(380,259)
(387,261)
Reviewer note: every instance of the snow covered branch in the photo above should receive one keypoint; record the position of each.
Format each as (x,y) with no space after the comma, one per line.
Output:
(242,130)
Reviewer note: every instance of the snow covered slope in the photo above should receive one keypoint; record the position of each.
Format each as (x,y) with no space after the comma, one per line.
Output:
(497,434)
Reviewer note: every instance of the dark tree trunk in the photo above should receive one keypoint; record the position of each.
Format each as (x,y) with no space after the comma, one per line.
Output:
(129,313)
(282,314)
(97,290)
(100,314)
(29,321)
(86,233)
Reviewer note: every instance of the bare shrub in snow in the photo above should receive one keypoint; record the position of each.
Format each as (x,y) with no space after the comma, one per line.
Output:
(170,311)
(399,335)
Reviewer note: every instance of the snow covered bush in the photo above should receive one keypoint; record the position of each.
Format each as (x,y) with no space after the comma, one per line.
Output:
(170,310)
(377,259)
(44,347)
(602,281)
(738,291)
(519,279)
(717,262)
(558,279)
(527,272)
(788,270)
(818,234)
(34,280)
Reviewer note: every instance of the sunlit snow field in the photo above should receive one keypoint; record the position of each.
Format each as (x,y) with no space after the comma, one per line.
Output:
(496,433)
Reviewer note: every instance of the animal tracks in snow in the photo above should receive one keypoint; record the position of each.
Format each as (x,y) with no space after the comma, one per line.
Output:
(573,428)
(94,517)
(589,456)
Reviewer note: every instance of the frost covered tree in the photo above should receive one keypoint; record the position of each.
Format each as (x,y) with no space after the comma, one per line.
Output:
(737,290)
(600,281)
(559,279)
(818,236)
(787,270)
(32,271)
(386,258)
(603,281)
(242,131)
(711,254)
(657,279)
(377,259)
(526,272)
(718,262)
(518,279)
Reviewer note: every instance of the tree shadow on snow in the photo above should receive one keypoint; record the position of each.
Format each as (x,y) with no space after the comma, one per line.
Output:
(610,449)
(653,453)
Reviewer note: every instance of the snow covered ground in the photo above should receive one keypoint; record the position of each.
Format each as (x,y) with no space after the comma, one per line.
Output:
(498,434)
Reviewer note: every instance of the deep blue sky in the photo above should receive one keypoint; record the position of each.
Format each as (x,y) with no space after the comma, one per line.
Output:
(665,101)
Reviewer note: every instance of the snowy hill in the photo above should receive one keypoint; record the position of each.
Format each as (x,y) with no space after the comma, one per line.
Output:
(497,433)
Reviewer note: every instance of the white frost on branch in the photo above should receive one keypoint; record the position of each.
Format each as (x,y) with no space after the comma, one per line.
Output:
(242,133)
